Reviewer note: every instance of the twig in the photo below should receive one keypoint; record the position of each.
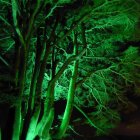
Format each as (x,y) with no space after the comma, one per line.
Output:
(89,120)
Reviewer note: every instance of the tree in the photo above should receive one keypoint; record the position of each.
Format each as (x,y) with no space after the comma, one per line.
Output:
(52,41)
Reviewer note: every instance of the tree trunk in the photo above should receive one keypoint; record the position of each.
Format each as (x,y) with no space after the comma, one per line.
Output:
(33,123)
(69,106)
(70,98)
(18,116)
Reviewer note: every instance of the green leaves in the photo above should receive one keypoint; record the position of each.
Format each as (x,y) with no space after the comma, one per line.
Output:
(103,73)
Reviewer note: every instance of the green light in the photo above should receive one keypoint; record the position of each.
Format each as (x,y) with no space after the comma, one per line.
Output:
(85,54)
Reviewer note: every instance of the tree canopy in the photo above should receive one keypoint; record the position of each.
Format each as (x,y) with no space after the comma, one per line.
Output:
(83,51)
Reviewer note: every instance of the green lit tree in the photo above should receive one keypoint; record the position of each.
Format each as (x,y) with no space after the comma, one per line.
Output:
(64,49)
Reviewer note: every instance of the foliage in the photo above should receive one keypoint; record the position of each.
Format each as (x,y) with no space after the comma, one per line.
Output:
(59,49)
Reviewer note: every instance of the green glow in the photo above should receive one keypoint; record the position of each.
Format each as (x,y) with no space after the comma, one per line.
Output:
(33,124)
(17,124)
(69,106)
(53,50)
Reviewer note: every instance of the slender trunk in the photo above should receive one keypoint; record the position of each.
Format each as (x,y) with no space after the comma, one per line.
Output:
(69,106)
(32,20)
(16,64)
(34,97)
(34,84)
(45,58)
(33,123)
(17,123)
(42,71)
(45,133)
(48,105)
(50,97)
(18,116)
(70,98)
(50,93)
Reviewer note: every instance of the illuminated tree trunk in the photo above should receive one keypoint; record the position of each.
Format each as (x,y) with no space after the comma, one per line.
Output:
(45,123)
(28,18)
(45,133)
(33,124)
(70,97)
(18,117)
(69,105)
(72,88)
(17,123)
(23,56)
